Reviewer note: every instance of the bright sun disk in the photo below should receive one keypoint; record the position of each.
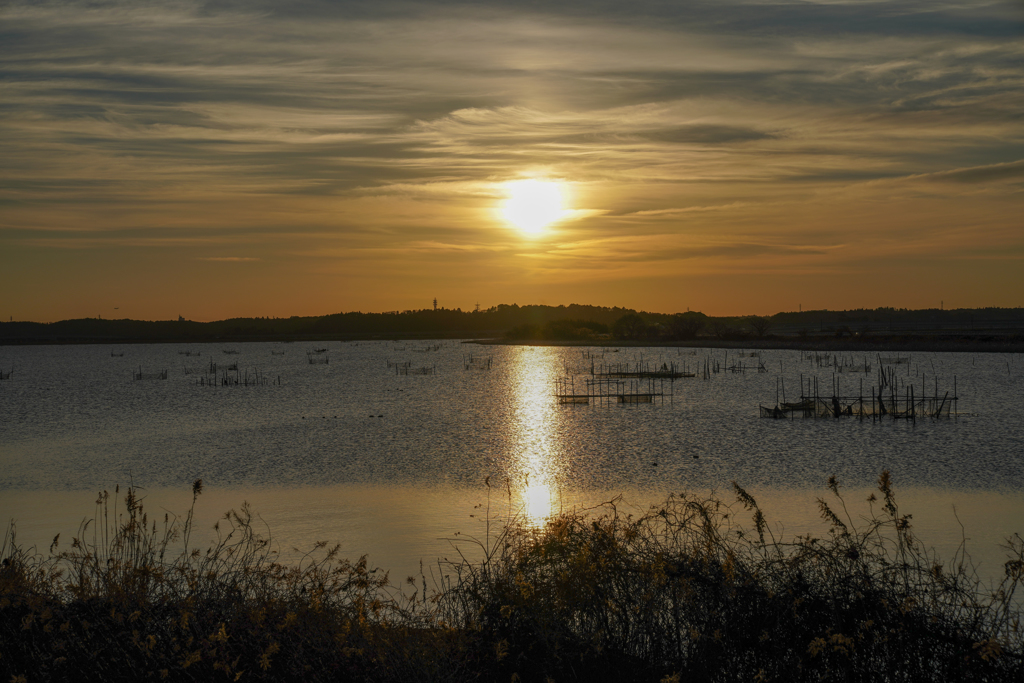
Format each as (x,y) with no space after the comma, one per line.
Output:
(532,205)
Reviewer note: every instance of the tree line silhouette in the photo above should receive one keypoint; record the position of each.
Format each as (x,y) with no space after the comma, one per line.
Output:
(533,322)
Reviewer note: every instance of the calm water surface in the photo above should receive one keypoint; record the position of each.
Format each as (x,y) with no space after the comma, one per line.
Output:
(390,464)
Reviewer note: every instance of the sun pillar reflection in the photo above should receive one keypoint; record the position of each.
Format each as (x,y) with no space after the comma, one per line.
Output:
(535,451)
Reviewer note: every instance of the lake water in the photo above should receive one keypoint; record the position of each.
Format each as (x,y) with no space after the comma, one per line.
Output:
(344,448)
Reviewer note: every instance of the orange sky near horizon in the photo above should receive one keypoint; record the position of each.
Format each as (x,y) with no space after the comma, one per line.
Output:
(215,162)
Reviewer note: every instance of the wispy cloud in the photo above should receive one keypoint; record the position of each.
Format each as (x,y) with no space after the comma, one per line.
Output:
(228,259)
(1012,171)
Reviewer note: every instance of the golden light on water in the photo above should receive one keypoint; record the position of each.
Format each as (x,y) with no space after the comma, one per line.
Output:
(536,450)
(537,500)
(533,205)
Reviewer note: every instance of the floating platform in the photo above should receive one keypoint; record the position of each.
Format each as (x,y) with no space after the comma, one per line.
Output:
(887,400)
(653,374)
(618,398)
(606,389)
(640,370)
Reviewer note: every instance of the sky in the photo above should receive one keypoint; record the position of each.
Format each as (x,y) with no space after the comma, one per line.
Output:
(240,159)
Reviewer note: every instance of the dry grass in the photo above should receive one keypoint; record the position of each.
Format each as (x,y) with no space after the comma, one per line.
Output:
(681,592)
(686,593)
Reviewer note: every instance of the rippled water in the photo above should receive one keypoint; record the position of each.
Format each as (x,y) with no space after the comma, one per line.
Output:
(361,439)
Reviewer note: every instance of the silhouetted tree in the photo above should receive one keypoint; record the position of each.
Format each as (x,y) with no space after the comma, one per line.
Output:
(759,324)
(685,325)
(630,326)
(525,331)
(720,329)
(573,329)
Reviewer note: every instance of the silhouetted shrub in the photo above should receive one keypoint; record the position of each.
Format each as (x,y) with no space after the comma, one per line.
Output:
(680,592)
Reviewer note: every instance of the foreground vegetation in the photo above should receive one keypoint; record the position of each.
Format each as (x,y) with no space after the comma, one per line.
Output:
(689,591)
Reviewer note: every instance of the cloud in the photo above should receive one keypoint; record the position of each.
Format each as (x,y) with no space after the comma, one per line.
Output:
(228,259)
(707,134)
(677,211)
(1012,171)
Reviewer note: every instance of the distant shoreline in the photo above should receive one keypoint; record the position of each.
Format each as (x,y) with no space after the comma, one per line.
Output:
(855,344)
(989,330)
(870,344)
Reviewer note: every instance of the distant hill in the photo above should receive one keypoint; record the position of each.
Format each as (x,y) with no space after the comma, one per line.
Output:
(536,322)
(426,323)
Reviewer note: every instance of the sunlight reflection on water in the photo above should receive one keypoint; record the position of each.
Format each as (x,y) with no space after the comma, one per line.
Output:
(536,450)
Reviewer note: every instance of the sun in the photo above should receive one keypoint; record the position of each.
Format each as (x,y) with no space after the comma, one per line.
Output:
(533,205)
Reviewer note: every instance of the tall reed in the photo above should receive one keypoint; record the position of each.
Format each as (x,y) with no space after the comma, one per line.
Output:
(686,592)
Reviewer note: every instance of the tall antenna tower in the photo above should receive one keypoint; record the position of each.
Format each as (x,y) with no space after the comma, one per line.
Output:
(435,303)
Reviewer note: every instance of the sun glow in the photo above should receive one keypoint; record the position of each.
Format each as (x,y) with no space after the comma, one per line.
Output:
(533,205)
